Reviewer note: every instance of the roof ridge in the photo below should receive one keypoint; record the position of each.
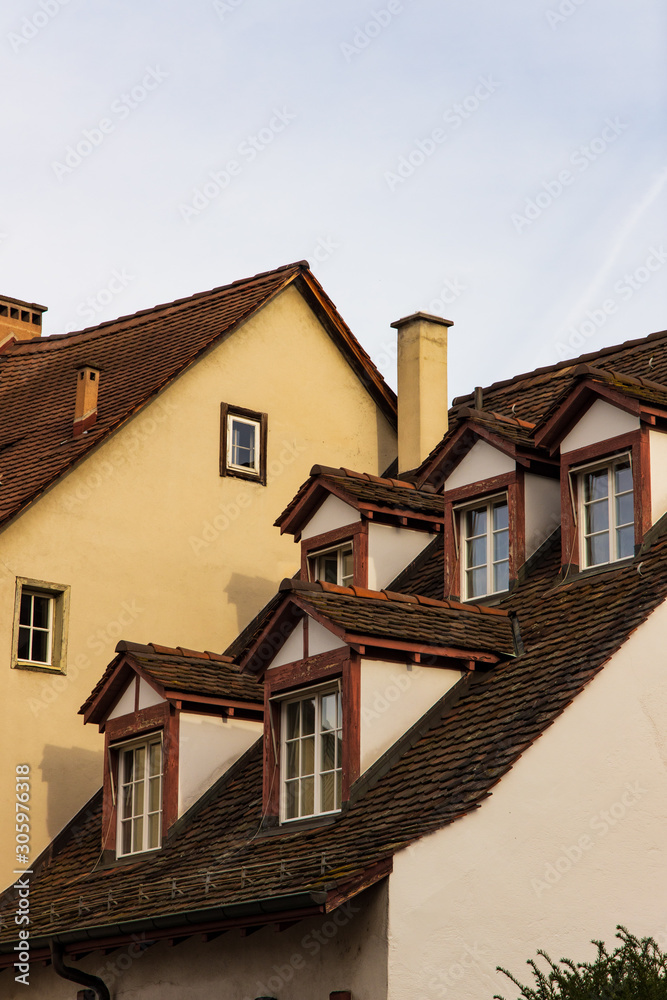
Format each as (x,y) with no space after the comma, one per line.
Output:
(343,473)
(155,649)
(110,326)
(320,586)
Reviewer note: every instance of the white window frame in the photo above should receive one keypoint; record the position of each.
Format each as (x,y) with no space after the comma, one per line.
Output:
(233,418)
(120,749)
(462,510)
(608,464)
(58,604)
(316,693)
(344,548)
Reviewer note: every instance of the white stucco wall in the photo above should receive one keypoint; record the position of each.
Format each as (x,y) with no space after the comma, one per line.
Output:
(333,513)
(125,702)
(291,649)
(321,640)
(345,949)
(481,462)
(393,697)
(658,446)
(542,507)
(390,550)
(147,695)
(208,746)
(570,844)
(599,422)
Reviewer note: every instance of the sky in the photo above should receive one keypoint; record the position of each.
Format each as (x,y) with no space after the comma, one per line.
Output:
(501,165)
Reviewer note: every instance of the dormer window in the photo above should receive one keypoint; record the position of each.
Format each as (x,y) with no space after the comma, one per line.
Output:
(140,796)
(333,565)
(485,548)
(607,512)
(312,755)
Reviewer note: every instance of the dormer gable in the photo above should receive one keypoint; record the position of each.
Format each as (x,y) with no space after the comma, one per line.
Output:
(363,666)
(174,720)
(358,529)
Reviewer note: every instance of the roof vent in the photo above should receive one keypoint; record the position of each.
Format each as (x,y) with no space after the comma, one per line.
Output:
(22,320)
(87,388)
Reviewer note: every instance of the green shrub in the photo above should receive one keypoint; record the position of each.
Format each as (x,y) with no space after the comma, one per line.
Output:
(635,970)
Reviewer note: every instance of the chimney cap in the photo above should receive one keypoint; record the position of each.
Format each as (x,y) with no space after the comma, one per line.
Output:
(428,317)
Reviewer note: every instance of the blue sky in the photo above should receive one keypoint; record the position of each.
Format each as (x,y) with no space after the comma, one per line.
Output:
(504,166)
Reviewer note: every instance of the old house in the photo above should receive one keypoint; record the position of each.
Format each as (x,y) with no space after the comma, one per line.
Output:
(439,748)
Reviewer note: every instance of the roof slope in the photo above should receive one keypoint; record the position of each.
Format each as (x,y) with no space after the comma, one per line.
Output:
(445,767)
(138,355)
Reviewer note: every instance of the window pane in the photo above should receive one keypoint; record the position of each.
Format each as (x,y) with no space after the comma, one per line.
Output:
(339,750)
(128,770)
(308,716)
(154,762)
(292,762)
(597,516)
(623,476)
(476,582)
(40,644)
(243,444)
(501,545)
(327,792)
(476,552)
(328,752)
(501,576)
(329,567)
(625,542)
(40,614)
(153,831)
(348,568)
(25,613)
(308,755)
(126,807)
(500,516)
(292,799)
(139,761)
(126,838)
(138,798)
(476,522)
(329,711)
(339,787)
(138,833)
(597,549)
(154,795)
(625,509)
(595,485)
(292,719)
(24,644)
(307,796)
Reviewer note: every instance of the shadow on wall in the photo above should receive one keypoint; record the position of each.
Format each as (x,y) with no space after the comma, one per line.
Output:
(70,776)
(251,593)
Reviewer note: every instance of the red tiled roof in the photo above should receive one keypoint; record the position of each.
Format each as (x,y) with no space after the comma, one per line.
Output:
(137,355)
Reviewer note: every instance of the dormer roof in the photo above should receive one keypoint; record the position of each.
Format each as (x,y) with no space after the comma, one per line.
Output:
(369,620)
(390,500)
(178,675)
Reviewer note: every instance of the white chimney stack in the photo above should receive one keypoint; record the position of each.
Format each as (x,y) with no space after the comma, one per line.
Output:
(422,386)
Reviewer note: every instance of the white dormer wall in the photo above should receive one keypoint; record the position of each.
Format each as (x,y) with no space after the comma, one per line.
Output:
(390,550)
(658,450)
(333,513)
(600,422)
(393,697)
(320,640)
(542,509)
(125,703)
(482,462)
(208,746)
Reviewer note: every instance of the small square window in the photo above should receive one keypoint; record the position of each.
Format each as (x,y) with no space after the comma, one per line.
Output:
(485,548)
(606,507)
(334,565)
(40,621)
(140,797)
(243,436)
(312,755)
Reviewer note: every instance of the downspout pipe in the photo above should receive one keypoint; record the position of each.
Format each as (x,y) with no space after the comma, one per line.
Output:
(76,975)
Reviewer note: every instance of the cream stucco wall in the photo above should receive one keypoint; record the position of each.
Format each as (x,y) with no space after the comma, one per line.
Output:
(393,697)
(156,546)
(207,747)
(542,509)
(482,462)
(599,422)
(346,949)
(570,844)
(390,550)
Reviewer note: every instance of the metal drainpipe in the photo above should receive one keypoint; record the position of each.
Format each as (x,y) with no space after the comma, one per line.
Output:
(76,975)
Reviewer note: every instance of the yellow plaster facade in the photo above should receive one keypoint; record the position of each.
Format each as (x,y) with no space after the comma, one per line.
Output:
(154,545)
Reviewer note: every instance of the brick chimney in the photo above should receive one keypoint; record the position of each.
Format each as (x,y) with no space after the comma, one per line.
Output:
(22,320)
(85,409)
(422,386)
